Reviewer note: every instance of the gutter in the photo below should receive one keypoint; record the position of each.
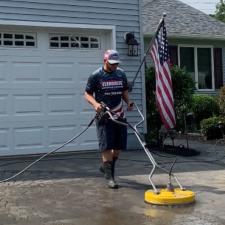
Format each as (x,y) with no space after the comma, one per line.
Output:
(191,36)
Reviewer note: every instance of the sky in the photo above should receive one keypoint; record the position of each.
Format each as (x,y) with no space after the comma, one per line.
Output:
(206,6)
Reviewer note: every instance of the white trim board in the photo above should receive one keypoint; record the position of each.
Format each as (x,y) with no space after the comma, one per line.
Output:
(63,25)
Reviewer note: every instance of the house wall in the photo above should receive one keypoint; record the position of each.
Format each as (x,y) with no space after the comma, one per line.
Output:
(123,14)
(188,41)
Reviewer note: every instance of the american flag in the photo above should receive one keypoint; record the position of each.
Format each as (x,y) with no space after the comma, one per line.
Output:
(164,90)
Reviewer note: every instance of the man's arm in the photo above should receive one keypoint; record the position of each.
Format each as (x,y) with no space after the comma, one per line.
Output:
(125,97)
(91,100)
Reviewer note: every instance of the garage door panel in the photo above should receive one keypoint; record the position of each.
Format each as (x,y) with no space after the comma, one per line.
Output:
(61,72)
(85,108)
(82,86)
(64,103)
(80,55)
(29,137)
(4,105)
(26,71)
(3,72)
(24,105)
(89,139)
(4,139)
(60,134)
(87,69)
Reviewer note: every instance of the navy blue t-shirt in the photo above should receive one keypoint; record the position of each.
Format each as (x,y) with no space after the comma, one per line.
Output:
(107,87)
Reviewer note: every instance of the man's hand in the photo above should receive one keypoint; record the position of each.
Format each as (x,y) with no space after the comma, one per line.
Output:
(130,106)
(97,107)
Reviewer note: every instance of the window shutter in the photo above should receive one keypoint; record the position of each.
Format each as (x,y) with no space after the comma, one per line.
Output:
(218,68)
(173,55)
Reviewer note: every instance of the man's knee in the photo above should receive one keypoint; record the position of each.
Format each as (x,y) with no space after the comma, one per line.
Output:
(107,155)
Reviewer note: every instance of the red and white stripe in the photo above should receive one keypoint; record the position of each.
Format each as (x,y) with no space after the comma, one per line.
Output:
(118,111)
(164,93)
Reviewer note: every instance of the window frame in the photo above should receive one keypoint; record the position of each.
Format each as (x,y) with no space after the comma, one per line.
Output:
(71,35)
(14,40)
(196,63)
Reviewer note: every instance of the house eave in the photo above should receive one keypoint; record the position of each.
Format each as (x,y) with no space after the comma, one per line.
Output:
(192,36)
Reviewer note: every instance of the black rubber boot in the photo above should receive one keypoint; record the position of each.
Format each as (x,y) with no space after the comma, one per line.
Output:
(101,169)
(113,167)
(107,170)
(113,172)
(108,175)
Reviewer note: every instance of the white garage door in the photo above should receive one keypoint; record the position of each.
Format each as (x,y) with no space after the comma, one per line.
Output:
(42,81)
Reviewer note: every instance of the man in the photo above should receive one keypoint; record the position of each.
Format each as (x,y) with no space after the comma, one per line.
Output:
(108,84)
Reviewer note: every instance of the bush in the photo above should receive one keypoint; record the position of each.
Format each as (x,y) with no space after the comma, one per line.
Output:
(203,107)
(183,88)
(153,117)
(221,100)
(213,127)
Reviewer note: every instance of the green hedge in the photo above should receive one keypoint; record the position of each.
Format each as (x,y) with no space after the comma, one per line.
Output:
(203,107)
(213,127)
(221,100)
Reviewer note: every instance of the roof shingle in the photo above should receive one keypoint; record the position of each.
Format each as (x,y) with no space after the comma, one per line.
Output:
(182,20)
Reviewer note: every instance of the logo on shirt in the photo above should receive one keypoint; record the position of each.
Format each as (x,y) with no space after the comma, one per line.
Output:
(112,83)
(112,87)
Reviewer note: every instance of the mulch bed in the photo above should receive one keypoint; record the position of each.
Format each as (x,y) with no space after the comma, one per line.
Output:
(175,150)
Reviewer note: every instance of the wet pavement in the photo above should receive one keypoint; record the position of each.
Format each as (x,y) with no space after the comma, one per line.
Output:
(68,189)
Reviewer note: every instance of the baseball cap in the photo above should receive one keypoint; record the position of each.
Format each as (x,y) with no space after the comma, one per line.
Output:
(111,56)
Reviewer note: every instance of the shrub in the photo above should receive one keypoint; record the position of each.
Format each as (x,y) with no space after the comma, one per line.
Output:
(213,127)
(221,100)
(203,107)
(153,117)
(183,88)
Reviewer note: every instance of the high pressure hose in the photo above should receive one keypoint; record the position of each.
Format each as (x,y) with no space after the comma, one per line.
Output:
(48,153)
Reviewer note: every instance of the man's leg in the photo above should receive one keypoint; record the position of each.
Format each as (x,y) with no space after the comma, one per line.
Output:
(108,168)
(115,156)
(111,157)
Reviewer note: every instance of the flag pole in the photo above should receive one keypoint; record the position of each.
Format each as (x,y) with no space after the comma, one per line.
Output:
(145,55)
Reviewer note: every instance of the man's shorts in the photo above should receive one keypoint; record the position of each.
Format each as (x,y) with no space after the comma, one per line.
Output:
(111,135)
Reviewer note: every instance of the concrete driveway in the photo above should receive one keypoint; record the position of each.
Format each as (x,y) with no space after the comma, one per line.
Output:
(69,190)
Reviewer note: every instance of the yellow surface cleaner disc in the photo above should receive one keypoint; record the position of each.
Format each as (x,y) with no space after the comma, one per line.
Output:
(167,197)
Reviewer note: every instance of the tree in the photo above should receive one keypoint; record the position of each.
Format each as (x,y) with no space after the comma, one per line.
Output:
(220,11)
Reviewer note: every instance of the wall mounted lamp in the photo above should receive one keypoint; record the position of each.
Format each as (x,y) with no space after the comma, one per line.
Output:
(132,44)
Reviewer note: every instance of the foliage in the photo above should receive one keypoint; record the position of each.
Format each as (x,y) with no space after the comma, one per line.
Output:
(220,11)
(213,127)
(221,100)
(204,106)
(183,88)
(153,118)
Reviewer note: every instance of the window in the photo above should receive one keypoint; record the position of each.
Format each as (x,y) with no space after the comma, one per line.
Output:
(204,68)
(8,39)
(73,41)
(198,61)
(187,60)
